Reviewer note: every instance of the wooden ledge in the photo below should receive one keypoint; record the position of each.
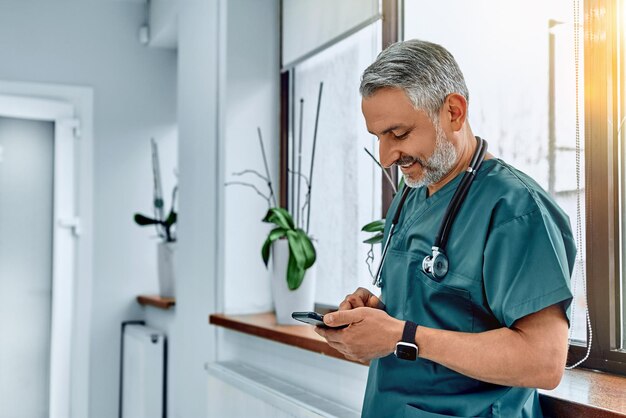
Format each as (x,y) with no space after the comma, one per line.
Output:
(156,301)
(581,392)
(264,326)
(586,393)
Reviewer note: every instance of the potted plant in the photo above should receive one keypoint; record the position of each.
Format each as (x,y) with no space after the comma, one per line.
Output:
(377,227)
(165,229)
(289,244)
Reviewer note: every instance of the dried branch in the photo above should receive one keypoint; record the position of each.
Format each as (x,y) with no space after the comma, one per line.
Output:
(299,169)
(370,260)
(317,118)
(242,183)
(267,170)
(387,176)
(304,206)
(241,173)
(301,175)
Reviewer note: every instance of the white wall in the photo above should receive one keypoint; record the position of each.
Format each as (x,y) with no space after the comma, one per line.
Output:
(252,98)
(192,342)
(95,44)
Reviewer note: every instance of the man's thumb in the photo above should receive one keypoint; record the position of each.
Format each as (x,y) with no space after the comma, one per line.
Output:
(339,318)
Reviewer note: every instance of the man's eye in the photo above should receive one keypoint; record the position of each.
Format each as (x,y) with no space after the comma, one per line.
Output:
(401,136)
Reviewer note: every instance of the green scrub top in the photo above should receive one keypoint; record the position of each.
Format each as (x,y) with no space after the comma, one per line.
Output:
(511,253)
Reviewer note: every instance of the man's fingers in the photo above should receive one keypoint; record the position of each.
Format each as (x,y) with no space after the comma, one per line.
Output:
(345,305)
(335,319)
(374,302)
(369,299)
(320,331)
(352,301)
(363,293)
(331,335)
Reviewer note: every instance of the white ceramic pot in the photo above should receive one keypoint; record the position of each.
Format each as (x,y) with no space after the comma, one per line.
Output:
(166,252)
(287,301)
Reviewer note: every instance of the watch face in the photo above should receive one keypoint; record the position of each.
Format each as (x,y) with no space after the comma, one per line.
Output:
(406,351)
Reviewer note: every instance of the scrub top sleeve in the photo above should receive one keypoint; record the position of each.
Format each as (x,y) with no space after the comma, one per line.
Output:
(526,268)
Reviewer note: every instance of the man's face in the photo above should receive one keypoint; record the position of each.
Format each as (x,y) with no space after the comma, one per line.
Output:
(408,138)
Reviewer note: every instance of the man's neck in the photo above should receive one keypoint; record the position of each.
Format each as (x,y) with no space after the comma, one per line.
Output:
(466,151)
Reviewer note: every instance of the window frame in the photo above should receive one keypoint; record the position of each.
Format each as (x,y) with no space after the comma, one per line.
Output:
(602,186)
(391,32)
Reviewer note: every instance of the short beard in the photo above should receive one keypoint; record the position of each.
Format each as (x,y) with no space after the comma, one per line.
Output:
(439,164)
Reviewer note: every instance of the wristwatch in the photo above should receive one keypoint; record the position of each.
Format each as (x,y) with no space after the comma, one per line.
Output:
(406,349)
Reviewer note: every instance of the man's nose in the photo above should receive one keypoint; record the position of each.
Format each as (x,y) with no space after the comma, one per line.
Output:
(387,153)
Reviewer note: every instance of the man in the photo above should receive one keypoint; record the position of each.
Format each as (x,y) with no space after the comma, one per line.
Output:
(495,327)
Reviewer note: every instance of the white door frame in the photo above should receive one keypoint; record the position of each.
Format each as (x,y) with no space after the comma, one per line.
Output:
(71,261)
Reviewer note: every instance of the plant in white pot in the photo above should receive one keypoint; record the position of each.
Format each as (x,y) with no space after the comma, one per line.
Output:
(293,260)
(289,244)
(165,227)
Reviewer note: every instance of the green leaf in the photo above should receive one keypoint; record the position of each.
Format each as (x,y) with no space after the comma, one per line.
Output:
(280,217)
(376,239)
(301,257)
(295,273)
(275,234)
(295,247)
(144,220)
(376,226)
(297,261)
(171,219)
(307,248)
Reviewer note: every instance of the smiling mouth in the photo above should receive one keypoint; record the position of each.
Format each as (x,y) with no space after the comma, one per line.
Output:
(407,166)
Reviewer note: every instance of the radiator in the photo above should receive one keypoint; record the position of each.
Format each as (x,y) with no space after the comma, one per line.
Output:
(238,390)
(142,388)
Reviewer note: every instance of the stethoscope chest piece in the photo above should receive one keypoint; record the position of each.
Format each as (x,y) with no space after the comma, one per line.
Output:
(436,265)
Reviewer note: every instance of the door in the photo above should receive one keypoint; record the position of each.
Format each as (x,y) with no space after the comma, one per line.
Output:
(26,263)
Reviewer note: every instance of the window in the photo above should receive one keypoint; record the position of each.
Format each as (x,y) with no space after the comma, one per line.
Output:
(345,183)
(520,69)
(518,64)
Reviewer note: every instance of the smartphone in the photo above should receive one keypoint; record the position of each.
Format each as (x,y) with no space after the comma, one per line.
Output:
(313,318)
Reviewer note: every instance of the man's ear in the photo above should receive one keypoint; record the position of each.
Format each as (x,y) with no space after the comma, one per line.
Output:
(454,111)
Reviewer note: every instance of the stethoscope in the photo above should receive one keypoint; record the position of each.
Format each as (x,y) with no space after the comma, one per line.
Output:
(436,265)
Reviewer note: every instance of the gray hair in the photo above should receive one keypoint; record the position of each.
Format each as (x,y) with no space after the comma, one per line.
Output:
(427,73)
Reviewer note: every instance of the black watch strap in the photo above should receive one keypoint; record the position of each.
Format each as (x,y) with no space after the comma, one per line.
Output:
(406,349)
(408,335)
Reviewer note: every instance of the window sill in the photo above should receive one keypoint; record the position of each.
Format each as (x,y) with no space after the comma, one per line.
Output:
(264,326)
(156,301)
(586,393)
(581,392)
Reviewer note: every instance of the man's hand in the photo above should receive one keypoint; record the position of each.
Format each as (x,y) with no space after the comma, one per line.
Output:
(361,298)
(371,332)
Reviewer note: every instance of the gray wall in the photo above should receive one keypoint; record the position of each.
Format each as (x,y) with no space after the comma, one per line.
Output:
(95,44)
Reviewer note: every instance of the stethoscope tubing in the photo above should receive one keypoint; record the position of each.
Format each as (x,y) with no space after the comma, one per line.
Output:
(455,204)
(392,229)
(460,193)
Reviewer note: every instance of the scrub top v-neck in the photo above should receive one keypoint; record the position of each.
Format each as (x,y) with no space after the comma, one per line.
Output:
(511,253)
